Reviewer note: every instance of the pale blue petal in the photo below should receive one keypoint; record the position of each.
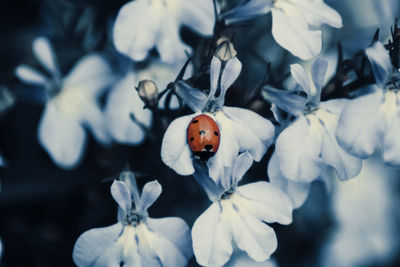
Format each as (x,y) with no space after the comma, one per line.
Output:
(199,15)
(242,165)
(215,69)
(230,73)
(43,51)
(292,32)
(212,238)
(121,194)
(296,191)
(253,132)
(318,71)
(361,125)
(298,148)
(136,29)
(247,11)
(193,97)
(266,201)
(93,243)
(151,191)
(210,187)
(380,62)
(175,151)
(285,100)
(300,76)
(121,102)
(61,136)
(29,75)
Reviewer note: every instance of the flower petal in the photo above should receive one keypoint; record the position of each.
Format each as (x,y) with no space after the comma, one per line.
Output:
(318,71)
(199,15)
(94,118)
(230,73)
(265,201)
(380,62)
(62,137)
(298,148)
(175,151)
(300,76)
(215,69)
(391,140)
(193,97)
(296,191)
(121,194)
(29,75)
(151,191)
(93,243)
(135,42)
(285,100)
(247,11)
(43,51)
(212,238)
(122,101)
(242,165)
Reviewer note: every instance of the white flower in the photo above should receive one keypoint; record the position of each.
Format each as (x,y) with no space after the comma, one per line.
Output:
(137,239)
(240,129)
(308,145)
(372,121)
(72,102)
(144,24)
(296,24)
(241,259)
(238,214)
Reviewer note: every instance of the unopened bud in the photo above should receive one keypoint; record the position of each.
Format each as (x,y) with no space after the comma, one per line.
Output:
(148,92)
(225,50)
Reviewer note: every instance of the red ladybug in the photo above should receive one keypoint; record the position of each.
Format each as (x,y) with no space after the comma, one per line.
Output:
(203,137)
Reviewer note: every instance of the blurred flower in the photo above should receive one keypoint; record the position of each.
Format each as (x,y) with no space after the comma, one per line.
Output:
(72,102)
(240,129)
(366,232)
(144,24)
(295,24)
(7,99)
(137,239)
(238,213)
(371,121)
(308,146)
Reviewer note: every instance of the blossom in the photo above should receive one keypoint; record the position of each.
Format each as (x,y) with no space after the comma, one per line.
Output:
(240,129)
(238,214)
(371,121)
(295,24)
(307,147)
(136,239)
(71,102)
(143,24)
(240,259)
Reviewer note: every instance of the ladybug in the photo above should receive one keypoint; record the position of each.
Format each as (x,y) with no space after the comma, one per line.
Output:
(203,137)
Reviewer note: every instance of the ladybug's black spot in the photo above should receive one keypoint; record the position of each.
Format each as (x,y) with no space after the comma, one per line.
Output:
(202,132)
(215,133)
(195,121)
(121,264)
(192,138)
(203,155)
(208,147)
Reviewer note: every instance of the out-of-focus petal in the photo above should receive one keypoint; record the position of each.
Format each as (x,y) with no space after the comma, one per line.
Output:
(241,259)
(298,148)
(43,51)
(175,151)
(296,191)
(199,15)
(93,243)
(122,101)
(212,237)
(266,201)
(253,132)
(391,140)
(380,62)
(194,98)
(136,29)
(151,191)
(29,75)
(247,11)
(121,194)
(292,32)
(61,136)
(94,118)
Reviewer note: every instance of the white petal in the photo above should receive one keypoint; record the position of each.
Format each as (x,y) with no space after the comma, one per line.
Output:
(29,75)
(391,141)
(242,165)
(121,102)
(194,98)
(215,69)
(43,51)
(62,137)
(318,71)
(175,151)
(230,73)
(265,201)
(151,191)
(247,11)
(296,191)
(212,238)
(380,62)
(291,31)
(298,148)
(92,244)
(361,125)
(121,194)
(136,28)
(300,76)
(91,73)
(199,15)
(253,132)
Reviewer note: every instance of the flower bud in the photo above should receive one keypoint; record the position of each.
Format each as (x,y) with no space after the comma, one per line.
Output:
(148,92)
(225,50)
